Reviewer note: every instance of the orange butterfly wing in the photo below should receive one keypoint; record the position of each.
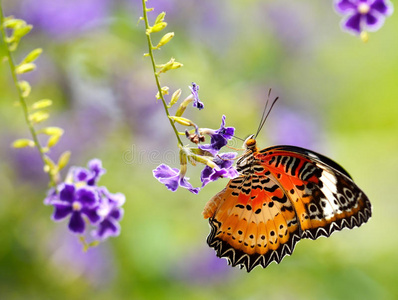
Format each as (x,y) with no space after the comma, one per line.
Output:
(285,193)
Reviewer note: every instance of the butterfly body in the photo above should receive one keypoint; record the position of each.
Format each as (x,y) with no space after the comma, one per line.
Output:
(284,194)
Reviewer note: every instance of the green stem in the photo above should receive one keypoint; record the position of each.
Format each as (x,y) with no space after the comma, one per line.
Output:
(21,98)
(150,48)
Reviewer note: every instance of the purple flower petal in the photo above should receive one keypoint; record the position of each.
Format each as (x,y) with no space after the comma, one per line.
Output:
(91,214)
(209,148)
(164,171)
(353,23)
(86,196)
(206,173)
(106,228)
(224,163)
(219,138)
(228,132)
(61,210)
(119,198)
(217,174)
(76,223)
(80,174)
(95,165)
(225,160)
(232,173)
(117,213)
(67,193)
(382,7)
(171,183)
(170,177)
(225,132)
(345,6)
(217,141)
(185,184)
(374,22)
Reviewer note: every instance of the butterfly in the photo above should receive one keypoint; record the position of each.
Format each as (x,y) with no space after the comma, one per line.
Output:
(284,194)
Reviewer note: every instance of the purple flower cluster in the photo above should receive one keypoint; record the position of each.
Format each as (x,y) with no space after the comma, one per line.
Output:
(363,14)
(173,178)
(80,199)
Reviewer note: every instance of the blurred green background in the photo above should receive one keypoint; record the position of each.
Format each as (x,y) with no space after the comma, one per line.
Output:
(338,96)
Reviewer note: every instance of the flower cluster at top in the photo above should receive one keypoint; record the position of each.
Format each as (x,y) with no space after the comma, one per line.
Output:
(217,165)
(84,203)
(363,15)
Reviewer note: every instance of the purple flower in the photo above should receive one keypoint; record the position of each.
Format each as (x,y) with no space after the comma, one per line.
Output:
(363,14)
(76,202)
(172,178)
(86,203)
(111,213)
(219,138)
(224,162)
(196,102)
(90,175)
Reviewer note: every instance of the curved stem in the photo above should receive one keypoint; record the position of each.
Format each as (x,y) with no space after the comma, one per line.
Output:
(150,51)
(20,96)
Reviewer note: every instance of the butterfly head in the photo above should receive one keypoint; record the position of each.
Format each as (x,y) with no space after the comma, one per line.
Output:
(250,144)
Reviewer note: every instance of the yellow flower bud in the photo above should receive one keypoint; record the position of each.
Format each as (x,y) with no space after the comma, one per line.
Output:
(174,98)
(160,17)
(157,27)
(165,39)
(181,120)
(22,143)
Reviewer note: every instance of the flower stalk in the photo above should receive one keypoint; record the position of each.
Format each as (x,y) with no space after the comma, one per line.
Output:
(149,30)
(22,87)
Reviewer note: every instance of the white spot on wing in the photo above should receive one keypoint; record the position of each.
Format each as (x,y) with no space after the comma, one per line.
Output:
(329,189)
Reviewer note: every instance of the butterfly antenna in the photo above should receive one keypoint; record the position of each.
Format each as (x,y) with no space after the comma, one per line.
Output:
(263,115)
(263,119)
(238,138)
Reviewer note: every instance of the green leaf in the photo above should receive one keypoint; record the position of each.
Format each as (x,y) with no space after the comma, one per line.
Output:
(42,104)
(32,56)
(25,88)
(22,143)
(25,68)
(63,160)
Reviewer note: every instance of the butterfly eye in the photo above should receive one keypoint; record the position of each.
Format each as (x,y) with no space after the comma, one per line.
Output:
(250,142)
